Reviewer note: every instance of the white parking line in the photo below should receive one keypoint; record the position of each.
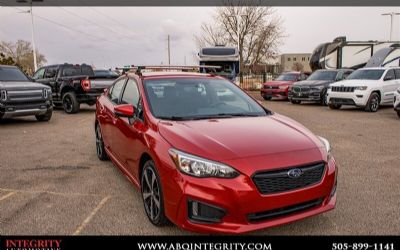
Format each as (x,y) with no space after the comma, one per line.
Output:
(91,215)
(7,196)
(44,191)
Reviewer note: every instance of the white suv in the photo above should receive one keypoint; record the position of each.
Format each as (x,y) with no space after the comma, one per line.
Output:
(397,102)
(367,88)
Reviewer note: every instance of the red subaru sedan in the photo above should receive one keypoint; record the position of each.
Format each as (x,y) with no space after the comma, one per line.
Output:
(280,86)
(208,157)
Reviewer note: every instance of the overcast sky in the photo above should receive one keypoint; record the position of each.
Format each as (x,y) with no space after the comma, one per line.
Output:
(117,36)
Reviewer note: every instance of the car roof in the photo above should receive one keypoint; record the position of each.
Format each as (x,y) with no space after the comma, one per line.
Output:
(161,74)
(8,66)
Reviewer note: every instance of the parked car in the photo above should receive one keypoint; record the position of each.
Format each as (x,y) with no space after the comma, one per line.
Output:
(279,87)
(397,102)
(19,96)
(102,73)
(315,88)
(178,137)
(367,88)
(72,85)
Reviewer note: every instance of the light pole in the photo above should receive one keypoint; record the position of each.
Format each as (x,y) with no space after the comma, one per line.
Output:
(391,14)
(33,31)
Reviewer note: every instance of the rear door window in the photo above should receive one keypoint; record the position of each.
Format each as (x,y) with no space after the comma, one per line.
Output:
(390,74)
(397,73)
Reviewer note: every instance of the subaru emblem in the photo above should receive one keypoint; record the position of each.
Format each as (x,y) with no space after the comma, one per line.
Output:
(295,173)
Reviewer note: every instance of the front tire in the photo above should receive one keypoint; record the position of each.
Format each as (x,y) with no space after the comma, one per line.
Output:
(373,103)
(70,103)
(398,114)
(324,98)
(101,152)
(267,98)
(334,106)
(46,117)
(152,195)
(295,101)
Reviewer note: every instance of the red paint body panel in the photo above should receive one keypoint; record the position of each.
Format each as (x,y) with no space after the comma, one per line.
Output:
(248,144)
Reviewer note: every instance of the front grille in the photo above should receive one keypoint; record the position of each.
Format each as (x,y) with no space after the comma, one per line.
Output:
(342,89)
(276,181)
(284,211)
(303,89)
(25,95)
(270,87)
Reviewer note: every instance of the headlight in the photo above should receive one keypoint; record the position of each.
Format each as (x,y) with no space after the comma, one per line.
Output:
(327,147)
(199,167)
(283,87)
(361,88)
(3,95)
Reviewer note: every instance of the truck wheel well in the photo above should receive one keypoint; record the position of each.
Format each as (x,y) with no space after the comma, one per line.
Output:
(143,159)
(378,92)
(66,89)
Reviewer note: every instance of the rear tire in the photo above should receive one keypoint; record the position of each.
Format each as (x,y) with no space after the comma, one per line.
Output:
(70,103)
(398,114)
(334,106)
(152,195)
(373,103)
(267,98)
(101,152)
(295,101)
(46,117)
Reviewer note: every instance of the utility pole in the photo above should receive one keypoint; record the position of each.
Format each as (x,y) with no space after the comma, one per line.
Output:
(169,52)
(33,41)
(184,60)
(391,14)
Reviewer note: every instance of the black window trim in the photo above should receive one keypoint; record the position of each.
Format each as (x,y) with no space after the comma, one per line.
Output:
(122,90)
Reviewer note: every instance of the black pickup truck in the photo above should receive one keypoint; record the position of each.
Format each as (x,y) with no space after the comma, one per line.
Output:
(72,84)
(19,96)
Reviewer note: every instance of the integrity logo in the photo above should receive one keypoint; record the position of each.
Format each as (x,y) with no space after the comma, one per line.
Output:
(27,244)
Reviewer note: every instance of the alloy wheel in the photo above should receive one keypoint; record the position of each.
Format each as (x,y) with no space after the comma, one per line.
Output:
(67,103)
(375,103)
(151,194)
(99,142)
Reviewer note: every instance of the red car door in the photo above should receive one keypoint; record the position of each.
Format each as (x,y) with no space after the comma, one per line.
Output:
(106,110)
(129,131)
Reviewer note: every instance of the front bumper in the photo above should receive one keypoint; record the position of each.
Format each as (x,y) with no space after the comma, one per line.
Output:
(313,96)
(239,198)
(16,110)
(357,98)
(280,93)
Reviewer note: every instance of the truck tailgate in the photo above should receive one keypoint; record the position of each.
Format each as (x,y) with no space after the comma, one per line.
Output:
(101,83)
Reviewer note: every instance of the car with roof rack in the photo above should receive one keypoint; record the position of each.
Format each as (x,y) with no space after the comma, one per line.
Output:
(179,138)
(367,88)
(73,84)
(19,96)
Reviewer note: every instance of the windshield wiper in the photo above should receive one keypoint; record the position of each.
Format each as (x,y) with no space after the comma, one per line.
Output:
(173,118)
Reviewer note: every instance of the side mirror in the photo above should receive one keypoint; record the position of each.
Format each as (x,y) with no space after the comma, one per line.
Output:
(124,110)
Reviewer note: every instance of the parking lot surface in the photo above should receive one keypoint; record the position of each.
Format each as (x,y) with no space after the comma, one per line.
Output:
(51,181)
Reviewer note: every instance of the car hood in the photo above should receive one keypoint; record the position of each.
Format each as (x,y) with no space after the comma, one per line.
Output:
(278,83)
(313,83)
(353,83)
(235,138)
(21,85)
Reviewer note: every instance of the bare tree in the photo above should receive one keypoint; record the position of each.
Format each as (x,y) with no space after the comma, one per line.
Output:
(260,32)
(297,66)
(21,53)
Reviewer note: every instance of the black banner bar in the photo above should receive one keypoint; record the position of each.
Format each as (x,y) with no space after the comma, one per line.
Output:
(200,242)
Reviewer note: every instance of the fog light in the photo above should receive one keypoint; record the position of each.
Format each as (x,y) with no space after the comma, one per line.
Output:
(359,96)
(334,187)
(204,213)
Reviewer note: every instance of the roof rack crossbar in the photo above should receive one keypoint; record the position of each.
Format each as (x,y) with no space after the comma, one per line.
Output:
(138,69)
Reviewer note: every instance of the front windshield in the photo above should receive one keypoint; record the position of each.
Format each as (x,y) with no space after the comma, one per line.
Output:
(198,98)
(12,74)
(287,77)
(366,74)
(322,75)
